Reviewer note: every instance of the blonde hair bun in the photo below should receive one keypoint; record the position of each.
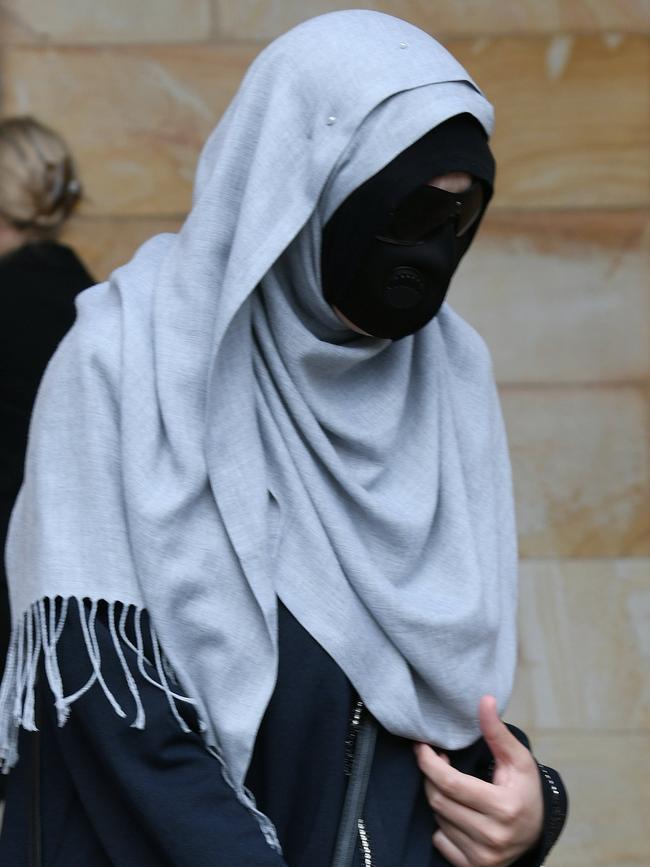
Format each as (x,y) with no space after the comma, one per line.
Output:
(39,186)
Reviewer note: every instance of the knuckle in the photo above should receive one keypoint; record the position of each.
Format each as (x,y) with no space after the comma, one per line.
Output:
(486,857)
(498,837)
(448,786)
(508,811)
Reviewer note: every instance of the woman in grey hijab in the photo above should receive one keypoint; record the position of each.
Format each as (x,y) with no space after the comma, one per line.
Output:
(267,515)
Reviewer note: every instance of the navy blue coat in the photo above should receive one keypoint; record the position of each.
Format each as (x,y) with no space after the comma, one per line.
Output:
(114,796)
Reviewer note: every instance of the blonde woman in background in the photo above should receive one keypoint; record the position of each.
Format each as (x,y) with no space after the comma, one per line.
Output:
(40,277)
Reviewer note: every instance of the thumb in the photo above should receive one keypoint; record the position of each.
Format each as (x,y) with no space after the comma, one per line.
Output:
(503,745)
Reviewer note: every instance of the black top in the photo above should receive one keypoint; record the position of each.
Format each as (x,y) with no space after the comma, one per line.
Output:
(39,282)
(114,796)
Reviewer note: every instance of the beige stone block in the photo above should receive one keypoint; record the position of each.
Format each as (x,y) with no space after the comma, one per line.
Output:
(608,780)
(263,19)
(572,119)
(584,645)
(560,297)
(111,21)
(105,243)
(572,130)
(136,118)
(581,473)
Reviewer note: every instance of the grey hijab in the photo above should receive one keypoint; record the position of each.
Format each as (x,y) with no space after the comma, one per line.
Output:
(209,437)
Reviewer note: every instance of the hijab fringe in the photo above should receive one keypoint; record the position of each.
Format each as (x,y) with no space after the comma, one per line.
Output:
(35,637)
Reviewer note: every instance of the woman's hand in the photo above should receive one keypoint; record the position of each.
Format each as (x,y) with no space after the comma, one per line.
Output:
(485,824)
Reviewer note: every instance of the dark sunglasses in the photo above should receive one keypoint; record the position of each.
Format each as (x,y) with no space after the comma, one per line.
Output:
(427,208)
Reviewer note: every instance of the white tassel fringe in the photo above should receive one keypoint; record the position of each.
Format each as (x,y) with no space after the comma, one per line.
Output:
(36,635)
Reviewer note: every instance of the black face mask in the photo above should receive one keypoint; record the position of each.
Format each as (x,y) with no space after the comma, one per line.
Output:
(387,265)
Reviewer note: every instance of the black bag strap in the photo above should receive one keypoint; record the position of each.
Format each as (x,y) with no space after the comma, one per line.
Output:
(35,830)
(355,796)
